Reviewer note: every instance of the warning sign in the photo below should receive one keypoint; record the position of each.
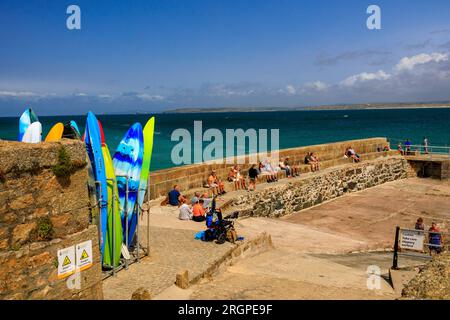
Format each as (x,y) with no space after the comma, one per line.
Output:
(66,262)
(412,240)
(84,255)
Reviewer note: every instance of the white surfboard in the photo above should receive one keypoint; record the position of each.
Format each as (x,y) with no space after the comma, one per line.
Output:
(33,134)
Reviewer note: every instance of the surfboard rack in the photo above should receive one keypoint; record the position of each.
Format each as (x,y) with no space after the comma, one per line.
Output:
(136,254)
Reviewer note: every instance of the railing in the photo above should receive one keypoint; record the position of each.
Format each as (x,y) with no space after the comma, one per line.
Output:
(428,150)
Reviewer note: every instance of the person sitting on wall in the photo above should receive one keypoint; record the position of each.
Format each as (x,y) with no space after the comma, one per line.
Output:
(350,153)
(267,170)
(185,211)
(311,160)
(198,211)
(292,167)
(174,197)
(234,176)
(241,178)
(215,184)
(285,168)
(315,161)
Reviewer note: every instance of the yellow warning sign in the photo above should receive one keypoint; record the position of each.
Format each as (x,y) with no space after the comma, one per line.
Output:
(84,255)
(66,261)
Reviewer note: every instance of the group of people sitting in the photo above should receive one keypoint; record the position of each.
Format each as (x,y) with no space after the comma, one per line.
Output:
(351,153)
(195,210)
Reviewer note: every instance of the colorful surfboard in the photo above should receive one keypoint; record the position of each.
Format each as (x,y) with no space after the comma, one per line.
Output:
(114,231)
(27,118)
(71,131)
(148,132)
(74,125)
(128,164)
(92,192)
(33,133)
(94,150)
(55,133)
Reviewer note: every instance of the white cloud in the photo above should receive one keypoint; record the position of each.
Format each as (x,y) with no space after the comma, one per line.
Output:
(149,97)
(316,86)
(290,89)
(409,63)
(17,94)
(104,96)
(364,77)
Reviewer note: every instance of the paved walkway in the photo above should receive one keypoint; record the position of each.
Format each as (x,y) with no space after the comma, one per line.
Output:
(172,250)
(311,259)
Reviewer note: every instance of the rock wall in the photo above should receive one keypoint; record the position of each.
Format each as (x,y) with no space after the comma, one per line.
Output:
(304,192)
(40,213)
(433,282)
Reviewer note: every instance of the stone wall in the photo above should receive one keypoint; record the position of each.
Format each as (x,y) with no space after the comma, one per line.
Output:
(434,168)
(41,213)
(195,175)
(301,193)
(433,282)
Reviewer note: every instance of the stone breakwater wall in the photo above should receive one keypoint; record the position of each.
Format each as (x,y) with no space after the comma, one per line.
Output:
(432,282)
(304,192)
(195,175)
(41,212)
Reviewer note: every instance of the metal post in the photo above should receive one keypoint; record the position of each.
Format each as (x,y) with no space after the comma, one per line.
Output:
(148,216)
(99,217)
(113,254)
(395,258)
(138,209)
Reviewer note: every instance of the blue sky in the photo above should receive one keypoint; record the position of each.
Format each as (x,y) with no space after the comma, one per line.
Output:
(157,55)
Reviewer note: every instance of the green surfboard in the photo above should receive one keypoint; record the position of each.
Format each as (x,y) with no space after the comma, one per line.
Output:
(117,227)
(147,157)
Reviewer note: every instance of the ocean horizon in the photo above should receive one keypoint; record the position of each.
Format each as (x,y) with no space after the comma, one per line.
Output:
(296,128)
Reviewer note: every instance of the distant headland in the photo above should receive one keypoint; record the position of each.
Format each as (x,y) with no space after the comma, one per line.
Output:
(361,106)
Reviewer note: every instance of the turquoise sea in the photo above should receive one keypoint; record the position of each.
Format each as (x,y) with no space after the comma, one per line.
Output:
(297,128)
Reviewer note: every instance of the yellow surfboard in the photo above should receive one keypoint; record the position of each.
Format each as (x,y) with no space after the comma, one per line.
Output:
(55,133)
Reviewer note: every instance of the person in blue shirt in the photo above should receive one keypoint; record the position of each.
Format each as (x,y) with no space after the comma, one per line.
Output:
(408,147)
(174,197)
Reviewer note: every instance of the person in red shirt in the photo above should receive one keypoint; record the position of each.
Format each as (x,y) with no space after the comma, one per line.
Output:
(198,211)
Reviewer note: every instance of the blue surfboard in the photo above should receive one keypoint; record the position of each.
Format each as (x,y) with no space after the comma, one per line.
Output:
(94,150)
(27,118)
(127,162)
(74,125)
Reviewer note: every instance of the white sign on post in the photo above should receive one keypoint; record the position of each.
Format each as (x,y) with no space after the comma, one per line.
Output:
(84,255)
(66,262)
(412,240)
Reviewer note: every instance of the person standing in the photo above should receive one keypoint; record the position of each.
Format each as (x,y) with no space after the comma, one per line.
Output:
(435,239)
(407,147)
(425,145)
(253,175)
(419,224)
